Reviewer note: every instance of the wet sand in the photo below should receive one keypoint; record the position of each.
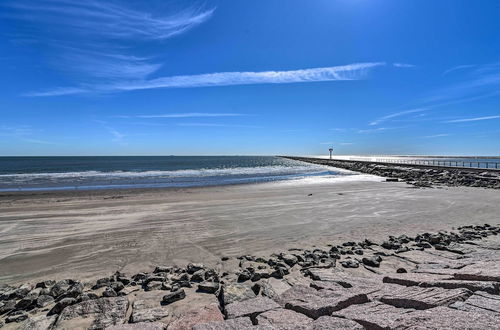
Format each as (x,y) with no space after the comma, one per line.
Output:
(92,234)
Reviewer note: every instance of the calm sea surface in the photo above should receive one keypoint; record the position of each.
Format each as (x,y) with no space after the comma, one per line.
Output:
(64,173)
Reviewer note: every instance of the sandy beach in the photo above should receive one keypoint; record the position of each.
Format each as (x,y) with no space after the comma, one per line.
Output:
(90,234)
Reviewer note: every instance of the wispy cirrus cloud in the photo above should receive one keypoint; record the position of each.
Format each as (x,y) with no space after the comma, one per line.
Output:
(354,71)
(396,114)
(379,129)
(464,120)
(458,67)
(109,19)
(403,65)
(185,115)
(482,82)
(216,125)
(101,42)
(435,136)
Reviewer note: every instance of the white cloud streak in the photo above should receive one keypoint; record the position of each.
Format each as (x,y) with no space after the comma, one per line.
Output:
(355,71)
(464,120)
(109,19)
(97,42)
(459,67)
(435,136)
(216,125)
(403,65)
(396,114)
(185,115)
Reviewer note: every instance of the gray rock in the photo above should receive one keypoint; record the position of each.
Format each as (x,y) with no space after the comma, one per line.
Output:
(21,291)
(283,318)
(332,323)
(40,322)
(7,306)
(141,312)
(350,263)
(117,286)
(44,300)
(139,326)
(250,307)
(17,317)
(313,303)
(441,281)
(373,315)
(95,314)
(153,285)
(480,302)
(63,303)
(236,292)
(174,296)
(60,288)
(446,318)
(241,323)
(424,298)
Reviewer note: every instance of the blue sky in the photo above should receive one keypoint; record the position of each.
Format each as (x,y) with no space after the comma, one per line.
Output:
(249,77)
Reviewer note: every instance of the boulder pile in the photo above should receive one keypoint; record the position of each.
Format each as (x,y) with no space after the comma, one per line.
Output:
(419,176)
(444,280)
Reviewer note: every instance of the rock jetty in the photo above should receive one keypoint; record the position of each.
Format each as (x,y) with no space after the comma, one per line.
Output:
(444,280)
(417,175)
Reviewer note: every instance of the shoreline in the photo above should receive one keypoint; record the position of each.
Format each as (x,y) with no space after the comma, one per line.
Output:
(54,233)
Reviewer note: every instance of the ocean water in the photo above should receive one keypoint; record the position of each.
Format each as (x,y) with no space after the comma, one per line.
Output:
(84,173)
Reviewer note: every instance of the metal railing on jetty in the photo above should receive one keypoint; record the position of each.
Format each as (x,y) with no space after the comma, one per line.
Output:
(433,162)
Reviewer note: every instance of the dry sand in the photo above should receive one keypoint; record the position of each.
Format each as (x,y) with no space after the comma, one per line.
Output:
(92,234)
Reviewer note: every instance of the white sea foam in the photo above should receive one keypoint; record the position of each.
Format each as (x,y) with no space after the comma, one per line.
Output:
(206,172)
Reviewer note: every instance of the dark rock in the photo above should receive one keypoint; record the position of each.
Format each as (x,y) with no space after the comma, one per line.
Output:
(350,263)
(192,268)
(7,306)
(198,276)
(45,284)
(289,259)
(401,271)
(372,261)
(162,269)
(87,296)
(117,286)
(60,288)
(62,304)
(17,317)
(244,275)
(109,292)
(174,296)
(25,303)
(208,287)
(102,283)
